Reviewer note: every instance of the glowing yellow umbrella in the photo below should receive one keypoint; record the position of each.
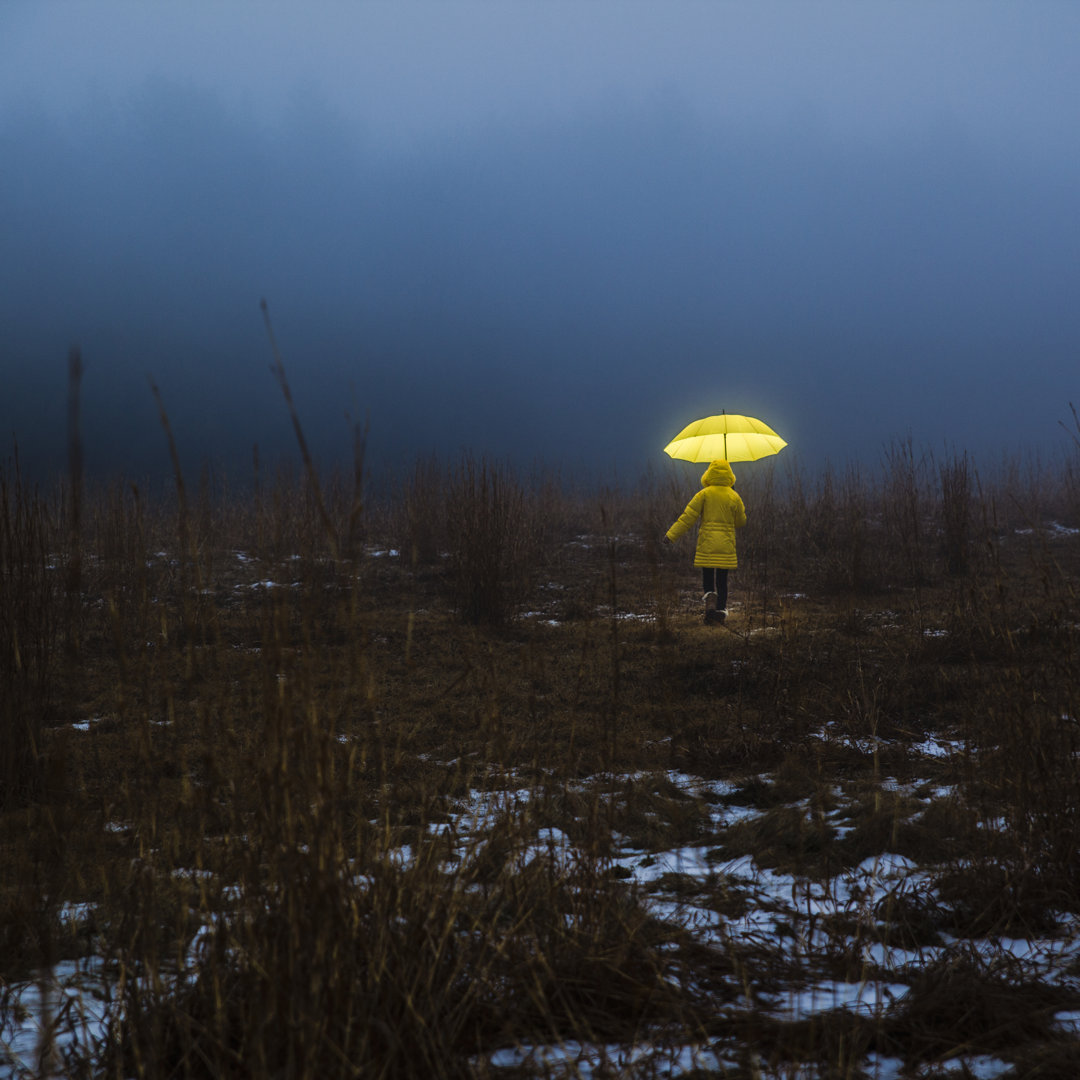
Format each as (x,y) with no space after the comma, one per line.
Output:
(728,436)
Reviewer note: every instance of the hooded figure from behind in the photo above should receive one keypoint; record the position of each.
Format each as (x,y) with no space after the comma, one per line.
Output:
(720,511)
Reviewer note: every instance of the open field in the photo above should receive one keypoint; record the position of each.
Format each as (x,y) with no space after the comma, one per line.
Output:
(457,784)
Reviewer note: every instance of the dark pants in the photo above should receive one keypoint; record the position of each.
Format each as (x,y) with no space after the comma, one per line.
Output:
(715,580)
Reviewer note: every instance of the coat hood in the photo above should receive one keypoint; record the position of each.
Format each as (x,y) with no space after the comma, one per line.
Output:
(718,472)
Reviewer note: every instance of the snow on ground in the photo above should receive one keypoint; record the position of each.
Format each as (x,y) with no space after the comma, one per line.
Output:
(797,917)
(68,990)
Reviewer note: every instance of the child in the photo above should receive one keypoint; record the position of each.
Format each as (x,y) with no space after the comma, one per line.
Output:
(721,511)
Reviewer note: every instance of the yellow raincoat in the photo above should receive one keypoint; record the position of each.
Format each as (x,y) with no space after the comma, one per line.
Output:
(721,511)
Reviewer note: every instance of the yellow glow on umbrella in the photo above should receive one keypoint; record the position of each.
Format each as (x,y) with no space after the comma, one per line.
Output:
(728,436)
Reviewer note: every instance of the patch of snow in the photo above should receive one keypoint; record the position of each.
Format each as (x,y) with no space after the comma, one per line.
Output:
(1053,527)
(1068,1021)
(785,913)
(1040,956)
(887,867)
(864,998)
(539,616)
(649,868)
(193,874)
(731,815)
(894,959)
(938,748)
(552,836)
(584,1060)
(198,949)
(479,811)
(401,856)
(68,994)
(979,1067)
(880,1067)
(76,912)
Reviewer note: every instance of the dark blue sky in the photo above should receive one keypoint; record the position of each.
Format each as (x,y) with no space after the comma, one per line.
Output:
(548,231)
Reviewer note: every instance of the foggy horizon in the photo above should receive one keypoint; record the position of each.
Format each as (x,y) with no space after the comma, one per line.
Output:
(537,233)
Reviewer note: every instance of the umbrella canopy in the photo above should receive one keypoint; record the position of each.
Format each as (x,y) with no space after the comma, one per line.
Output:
(728,436)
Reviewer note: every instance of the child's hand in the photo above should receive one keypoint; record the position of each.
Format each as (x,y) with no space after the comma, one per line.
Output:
(667,539)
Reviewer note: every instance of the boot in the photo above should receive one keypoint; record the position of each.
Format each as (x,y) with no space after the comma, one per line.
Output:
(710,599)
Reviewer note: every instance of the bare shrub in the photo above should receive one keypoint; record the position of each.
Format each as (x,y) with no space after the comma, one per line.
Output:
(1070,473)
(757,541)
(421,518)
(497,537)
(416,972)
(956,514)
(30,628)
(834,533)
(906,510)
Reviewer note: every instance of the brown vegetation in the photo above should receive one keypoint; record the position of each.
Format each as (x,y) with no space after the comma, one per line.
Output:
(296,702)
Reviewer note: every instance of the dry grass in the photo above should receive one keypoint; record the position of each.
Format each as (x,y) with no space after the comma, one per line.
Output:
(265,813)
